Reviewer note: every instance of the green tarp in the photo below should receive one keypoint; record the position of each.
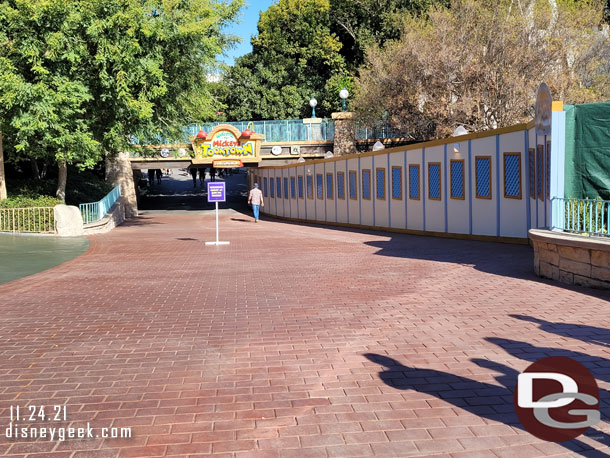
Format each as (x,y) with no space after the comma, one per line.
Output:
(587,152)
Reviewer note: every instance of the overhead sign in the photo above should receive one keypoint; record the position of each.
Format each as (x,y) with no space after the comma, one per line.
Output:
(227,164)
(217,191)
(226,142)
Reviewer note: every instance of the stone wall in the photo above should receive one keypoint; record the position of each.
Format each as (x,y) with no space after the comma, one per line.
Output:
(572,259)
(119,172)
(345,134)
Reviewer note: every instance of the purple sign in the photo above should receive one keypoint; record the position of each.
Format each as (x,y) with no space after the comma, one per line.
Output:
(216,191)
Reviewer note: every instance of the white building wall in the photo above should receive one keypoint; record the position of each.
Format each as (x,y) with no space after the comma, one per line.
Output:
(415,207)
(458,210)
(398,207)
(496,215)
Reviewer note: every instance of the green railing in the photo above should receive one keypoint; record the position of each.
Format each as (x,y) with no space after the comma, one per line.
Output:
(31,219)
(582,216)
(288,130)
(95,211)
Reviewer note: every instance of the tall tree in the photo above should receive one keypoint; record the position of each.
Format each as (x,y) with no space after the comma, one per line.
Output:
(84,76)
(478,64)
(360,24)
(295,56)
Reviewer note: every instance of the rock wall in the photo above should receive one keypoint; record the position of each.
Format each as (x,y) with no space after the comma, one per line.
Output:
(345,134)
(68,221)
(119,172)
(572,259)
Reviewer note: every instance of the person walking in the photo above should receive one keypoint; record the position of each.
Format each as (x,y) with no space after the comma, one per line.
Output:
(256,199)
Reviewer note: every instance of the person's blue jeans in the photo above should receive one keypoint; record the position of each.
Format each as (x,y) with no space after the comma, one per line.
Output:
(256,209)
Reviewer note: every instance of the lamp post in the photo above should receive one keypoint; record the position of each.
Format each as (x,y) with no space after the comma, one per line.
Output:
(344,94)
(312,103)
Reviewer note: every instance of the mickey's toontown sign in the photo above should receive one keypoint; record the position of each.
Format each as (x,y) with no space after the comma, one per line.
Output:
(227,145)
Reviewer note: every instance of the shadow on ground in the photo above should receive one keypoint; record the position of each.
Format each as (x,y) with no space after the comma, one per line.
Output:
(484,400)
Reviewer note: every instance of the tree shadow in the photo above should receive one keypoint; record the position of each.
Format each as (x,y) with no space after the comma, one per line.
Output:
(485,400)
(139,221)
(504,259)
(598,366)
(589,334)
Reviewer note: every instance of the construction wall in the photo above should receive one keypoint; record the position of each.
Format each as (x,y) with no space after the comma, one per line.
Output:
(473,185)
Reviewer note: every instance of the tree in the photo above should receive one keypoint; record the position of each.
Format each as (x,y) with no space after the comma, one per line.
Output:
(360,24)
(478,64)
(83,77)
(295,56)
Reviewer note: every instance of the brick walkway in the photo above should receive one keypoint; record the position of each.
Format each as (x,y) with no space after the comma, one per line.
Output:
(293,341)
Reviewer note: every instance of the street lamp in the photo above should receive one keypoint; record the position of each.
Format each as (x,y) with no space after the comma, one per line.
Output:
(344,94)
(312,103)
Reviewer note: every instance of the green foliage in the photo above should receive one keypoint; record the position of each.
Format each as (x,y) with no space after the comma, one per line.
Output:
(587,216)
(308,48)
(360,24)
(83,187)
(79,78)
(29,200)
(295,57)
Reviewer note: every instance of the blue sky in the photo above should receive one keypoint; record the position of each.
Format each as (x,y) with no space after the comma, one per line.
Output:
(245,29)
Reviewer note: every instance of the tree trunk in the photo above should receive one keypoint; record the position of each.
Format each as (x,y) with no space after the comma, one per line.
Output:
(35,169)
(2,179)
(61,180)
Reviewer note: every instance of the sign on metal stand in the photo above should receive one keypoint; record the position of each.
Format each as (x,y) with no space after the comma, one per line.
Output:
(217,192)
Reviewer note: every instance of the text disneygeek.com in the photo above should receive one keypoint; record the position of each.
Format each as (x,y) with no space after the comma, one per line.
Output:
(35,429)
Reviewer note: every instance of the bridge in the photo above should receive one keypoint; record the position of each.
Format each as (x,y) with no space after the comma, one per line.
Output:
(283,141)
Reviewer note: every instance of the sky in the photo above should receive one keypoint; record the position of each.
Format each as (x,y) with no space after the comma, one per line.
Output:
(245,28)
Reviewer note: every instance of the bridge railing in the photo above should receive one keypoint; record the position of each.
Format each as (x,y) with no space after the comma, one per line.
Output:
(288,130)
(583,216)
(95,211)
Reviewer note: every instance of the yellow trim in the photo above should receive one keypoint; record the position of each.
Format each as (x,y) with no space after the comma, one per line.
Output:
(417,146)
(440,181)
(353,173)
(376,171)
(307,187)
(447,235)
(520,169)
(336,185)
(418,182)
(362,184)
(476,179)
(463,197)
(301,195)
(321,185)
(557,105)
(332,196)
(399,167)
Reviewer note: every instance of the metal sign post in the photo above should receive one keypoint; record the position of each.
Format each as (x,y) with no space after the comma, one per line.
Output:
(217,193)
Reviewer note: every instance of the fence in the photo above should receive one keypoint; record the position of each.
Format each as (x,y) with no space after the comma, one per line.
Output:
(472,185)
(33,220)
(288,130)
(583,216)
(95,211)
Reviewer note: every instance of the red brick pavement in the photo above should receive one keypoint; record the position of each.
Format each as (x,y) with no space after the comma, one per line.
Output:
(294,341)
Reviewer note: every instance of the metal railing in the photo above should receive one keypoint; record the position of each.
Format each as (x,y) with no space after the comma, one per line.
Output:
(582,216)
(31,219)
(95,211)
(287,130)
